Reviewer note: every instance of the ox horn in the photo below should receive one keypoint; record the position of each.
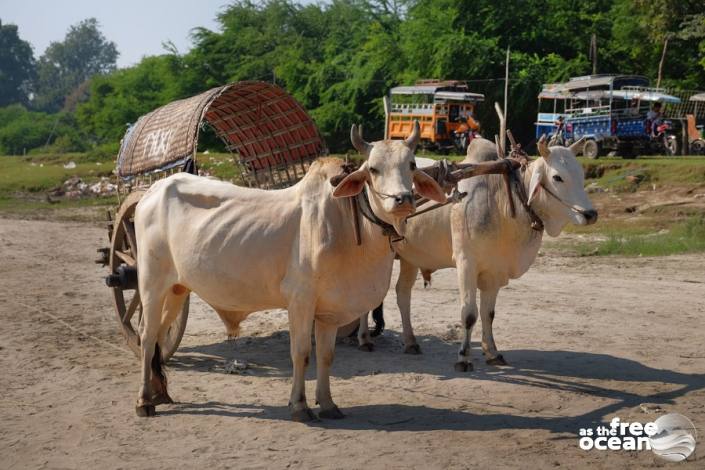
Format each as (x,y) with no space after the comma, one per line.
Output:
(543,147)
(413,140)
(357,140)
(577,147)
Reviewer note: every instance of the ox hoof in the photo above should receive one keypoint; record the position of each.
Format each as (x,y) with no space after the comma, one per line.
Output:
(162,399)
(145,411)
(333,413)
(367,347)
(304,416)
(463,367)
(496,361)
(412,349)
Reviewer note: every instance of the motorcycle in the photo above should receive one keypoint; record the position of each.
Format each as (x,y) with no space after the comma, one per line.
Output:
(462,136)
(663,141)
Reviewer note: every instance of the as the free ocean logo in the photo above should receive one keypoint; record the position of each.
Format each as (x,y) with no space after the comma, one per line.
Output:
(672,437)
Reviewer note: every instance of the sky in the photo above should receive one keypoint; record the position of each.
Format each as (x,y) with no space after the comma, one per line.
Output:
(137,27)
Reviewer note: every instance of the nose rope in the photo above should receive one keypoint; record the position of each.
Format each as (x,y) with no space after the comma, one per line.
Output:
(388,230)
(574,208)
(383,195)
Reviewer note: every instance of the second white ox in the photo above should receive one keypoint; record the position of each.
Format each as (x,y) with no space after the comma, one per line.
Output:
(244,250)
(480,238)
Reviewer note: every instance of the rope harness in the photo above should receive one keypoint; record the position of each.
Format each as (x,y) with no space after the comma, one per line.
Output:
(518,154)
(365,208)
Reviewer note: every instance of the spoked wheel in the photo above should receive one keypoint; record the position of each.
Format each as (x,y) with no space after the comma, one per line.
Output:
(591,149)
(123,266)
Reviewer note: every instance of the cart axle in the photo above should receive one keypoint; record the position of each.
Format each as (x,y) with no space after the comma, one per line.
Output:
(124,277)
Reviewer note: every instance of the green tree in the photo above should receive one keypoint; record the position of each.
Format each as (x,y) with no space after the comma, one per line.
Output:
(340,57)
(120,98)
(16,66)
(65,65)
(22,130)
(639,30)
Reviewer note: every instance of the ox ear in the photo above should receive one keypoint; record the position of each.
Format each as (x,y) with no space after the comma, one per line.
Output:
(535,184)
(577,147)
(428,187)
(352,184)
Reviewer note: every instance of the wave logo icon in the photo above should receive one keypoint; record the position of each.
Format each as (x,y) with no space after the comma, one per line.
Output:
(674,439)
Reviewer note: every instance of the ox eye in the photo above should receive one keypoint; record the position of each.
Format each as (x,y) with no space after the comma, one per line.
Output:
(413,166)
(557,179)
(374,171)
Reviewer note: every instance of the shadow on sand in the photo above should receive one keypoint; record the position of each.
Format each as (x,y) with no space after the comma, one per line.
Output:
(570,371)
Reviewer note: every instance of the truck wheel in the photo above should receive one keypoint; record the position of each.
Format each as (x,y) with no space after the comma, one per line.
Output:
(627,152)
(591,149)
(697,147)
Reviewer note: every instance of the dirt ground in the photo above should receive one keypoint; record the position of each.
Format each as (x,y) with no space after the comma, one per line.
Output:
(587,339)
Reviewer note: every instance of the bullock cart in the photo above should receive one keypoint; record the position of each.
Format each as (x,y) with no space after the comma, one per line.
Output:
(273,141)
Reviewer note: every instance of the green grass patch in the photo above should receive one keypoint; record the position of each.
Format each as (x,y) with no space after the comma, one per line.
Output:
(616,174)
(684,237)
(41,173)
(25,182)
(220,165)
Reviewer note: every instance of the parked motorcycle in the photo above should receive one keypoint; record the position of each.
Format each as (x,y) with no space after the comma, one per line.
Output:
(663,141)
(462,136)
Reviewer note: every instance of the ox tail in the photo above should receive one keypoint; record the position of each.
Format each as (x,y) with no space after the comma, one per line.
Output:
(378,317)
(158,365)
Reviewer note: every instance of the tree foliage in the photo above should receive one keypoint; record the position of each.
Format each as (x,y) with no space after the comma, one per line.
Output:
(16,66)
(338,58)
(65,65)
(23,130)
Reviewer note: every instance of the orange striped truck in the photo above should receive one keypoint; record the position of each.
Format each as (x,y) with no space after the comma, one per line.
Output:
(445,110)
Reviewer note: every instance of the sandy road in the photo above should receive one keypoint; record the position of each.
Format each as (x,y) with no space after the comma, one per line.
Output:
(586,338)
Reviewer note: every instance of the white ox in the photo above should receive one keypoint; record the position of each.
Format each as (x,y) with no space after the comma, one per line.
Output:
(244,250)
(479,237)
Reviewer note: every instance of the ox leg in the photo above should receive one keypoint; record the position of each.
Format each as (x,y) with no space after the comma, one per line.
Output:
(364,339)
(173,304)
(325,352)
(407,278)
(300,326)
(232,322)
(152,307)
(467,282)
(488,299)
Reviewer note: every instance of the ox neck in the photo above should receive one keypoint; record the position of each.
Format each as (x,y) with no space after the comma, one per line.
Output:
(527,174)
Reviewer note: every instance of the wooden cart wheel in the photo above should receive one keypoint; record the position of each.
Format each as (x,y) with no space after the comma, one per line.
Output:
(128,307)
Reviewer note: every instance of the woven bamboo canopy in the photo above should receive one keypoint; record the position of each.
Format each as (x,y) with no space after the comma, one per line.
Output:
(272,135)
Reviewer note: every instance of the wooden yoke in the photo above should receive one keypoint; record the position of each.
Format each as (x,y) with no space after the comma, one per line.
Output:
(461,171)
(449,175)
